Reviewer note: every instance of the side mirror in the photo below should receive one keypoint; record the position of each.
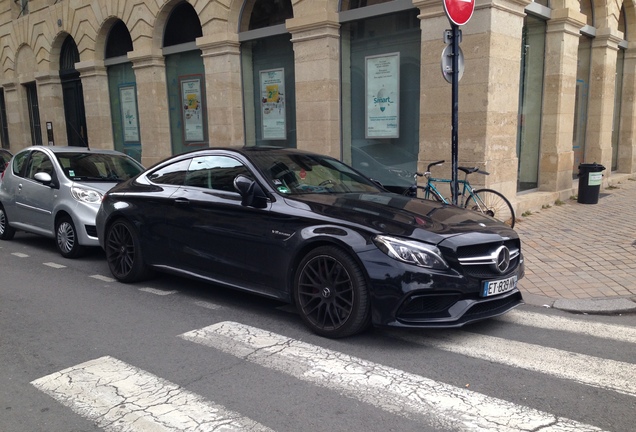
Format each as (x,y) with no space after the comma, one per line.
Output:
(251,192)
(44,178)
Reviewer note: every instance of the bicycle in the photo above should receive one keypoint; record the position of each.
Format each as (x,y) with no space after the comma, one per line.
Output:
(486,201)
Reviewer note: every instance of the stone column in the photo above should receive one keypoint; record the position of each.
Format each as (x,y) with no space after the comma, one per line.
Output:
(51,104)
(19,132)
(598,146)
(557,129)
(627,134)
(316,42)
(222,62)
(152,100)
(97,104)
(488,91)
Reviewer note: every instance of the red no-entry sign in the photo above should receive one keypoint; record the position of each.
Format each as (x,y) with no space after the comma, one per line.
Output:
(459,11)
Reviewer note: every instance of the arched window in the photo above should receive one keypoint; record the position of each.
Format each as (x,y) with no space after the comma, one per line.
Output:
(531,95)
(185,78)
(380,50)
(122,88)
(267,57)
(582,86)
(618,94)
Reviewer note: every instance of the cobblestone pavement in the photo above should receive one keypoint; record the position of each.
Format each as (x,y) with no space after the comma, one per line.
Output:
(582,251)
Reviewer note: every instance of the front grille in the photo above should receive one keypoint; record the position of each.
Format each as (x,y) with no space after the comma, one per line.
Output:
(427,306)
(91,230)
(476,260)
(493,307)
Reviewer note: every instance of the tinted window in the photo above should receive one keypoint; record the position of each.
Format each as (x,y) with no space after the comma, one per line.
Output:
(299,173)
(18,162)
(98,166)
(39,162)
(214,172)
(173,174)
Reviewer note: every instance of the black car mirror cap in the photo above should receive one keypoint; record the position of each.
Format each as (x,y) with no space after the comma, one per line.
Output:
(251,192)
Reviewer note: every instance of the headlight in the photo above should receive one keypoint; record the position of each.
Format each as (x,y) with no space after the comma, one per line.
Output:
(411,252)
(86,195)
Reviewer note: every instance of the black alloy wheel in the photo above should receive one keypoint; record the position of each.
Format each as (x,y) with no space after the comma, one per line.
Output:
(331,293)
(6,232)
(123,252)
(66,238)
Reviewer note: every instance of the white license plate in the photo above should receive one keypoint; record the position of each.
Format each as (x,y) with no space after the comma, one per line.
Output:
(500,286)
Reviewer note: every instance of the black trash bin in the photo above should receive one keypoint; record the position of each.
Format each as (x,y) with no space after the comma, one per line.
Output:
(590,179)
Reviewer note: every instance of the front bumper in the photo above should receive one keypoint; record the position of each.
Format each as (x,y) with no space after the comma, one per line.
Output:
(408,296)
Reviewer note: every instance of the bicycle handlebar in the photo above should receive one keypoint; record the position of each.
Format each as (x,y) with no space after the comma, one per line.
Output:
(428,168)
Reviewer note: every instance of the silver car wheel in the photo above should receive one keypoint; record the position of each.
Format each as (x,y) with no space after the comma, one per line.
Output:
(66,237)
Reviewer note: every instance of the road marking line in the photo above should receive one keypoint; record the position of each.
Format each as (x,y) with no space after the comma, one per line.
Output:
(20,254)
(584,369)
(158,291)
(441,405)
(120,397)
(54,265)
(103,278)
(207,305)
(571,325)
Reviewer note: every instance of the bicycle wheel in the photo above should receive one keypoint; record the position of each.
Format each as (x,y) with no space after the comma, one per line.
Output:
(492,203)
(433,195)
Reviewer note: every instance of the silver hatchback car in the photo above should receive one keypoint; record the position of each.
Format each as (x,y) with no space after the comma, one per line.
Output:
(56,192)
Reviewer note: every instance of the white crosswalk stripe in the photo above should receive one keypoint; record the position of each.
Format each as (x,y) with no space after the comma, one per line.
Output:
(585,369)
(121,398)
(548,322)
(444,406)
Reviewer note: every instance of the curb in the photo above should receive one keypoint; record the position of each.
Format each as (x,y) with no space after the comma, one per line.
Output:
(599,306)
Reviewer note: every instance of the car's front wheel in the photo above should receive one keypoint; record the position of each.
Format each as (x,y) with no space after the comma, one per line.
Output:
(331,293)
(6,232)
(67,239)
(123,252)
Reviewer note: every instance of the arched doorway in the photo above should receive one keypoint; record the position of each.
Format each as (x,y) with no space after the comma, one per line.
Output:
(122,87)
(185,78)
(267,56)
(73,95)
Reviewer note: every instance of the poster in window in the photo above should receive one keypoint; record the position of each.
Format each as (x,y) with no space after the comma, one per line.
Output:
(273,104)
(129,119)
(382,109)
(192,109)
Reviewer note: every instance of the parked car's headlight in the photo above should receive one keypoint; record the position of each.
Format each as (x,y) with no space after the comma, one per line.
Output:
(411,252)
(86,195)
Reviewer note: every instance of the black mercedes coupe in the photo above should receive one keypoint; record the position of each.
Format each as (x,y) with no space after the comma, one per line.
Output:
(307,229)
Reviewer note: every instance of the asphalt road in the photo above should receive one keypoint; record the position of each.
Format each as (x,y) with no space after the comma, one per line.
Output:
(81,352)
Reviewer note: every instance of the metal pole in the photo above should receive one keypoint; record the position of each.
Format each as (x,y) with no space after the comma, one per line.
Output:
(455,97)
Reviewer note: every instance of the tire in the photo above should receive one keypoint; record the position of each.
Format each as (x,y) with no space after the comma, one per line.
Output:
(6,232)
(496,205)
(123,253)
(66,238)
(430,194)
(331,293)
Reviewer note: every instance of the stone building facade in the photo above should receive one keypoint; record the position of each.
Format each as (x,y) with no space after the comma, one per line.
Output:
(546,85)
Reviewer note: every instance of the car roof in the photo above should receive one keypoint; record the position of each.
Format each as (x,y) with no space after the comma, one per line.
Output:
(71,149)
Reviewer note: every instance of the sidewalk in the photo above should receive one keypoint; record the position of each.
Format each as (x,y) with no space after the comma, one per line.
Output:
(582,257)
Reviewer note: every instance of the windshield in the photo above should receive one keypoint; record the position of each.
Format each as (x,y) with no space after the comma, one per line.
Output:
(297,173)
(98,166)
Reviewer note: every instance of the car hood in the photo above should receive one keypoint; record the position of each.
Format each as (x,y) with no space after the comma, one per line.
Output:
(399,215)
(99,186)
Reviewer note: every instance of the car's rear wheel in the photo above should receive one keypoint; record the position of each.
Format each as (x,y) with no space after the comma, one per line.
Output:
(123,252)
(331,293)
(67,239)
(6,232)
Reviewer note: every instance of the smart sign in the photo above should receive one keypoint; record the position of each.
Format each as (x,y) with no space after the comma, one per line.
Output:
(459,11)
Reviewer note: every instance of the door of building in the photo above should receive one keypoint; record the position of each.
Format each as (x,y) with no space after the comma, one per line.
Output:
(73,95)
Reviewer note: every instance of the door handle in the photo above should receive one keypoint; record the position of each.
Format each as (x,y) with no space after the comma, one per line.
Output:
(182,201)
